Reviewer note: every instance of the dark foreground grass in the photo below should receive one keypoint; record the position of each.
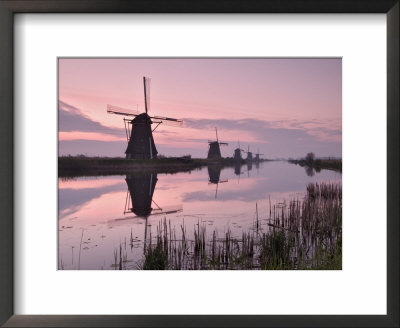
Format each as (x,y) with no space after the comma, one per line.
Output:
(304,234)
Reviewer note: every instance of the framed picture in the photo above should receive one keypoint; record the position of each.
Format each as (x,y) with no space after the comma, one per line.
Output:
(100,182)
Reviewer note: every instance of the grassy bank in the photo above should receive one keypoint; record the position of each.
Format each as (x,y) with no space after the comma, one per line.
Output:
(72,166)
(302,234)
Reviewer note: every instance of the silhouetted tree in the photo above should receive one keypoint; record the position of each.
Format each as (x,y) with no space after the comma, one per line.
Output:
(310,158)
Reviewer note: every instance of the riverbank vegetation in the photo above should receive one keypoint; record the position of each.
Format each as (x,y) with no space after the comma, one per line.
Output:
(318,164)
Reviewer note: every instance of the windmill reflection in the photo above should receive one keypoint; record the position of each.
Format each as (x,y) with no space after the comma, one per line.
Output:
(139,200)
(141,189)
(249,168)
(214,173)
(238,170)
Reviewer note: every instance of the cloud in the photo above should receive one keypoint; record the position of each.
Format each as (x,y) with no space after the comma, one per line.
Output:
(79,135)
(71,200)
(261,129)
(280,138)
(71,119)
(92,148)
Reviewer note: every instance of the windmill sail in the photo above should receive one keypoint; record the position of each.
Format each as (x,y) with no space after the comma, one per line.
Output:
(167,120)
(146,86)
(111,109)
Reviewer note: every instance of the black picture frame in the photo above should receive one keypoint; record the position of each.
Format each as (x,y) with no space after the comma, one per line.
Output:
(10,7)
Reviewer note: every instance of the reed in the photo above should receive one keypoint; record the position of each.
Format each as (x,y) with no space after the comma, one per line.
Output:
(80,250)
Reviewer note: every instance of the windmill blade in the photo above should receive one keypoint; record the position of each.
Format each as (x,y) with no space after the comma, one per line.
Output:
(111,109)
(216,133)
(167,120)
(146,86)
(223,143)
(168,123)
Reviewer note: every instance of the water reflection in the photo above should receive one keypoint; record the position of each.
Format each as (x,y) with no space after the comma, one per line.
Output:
(238,168)
(309,171)
(141,189)
(139,200)
(77,196)
(249,168)
(214,173)
(110,209)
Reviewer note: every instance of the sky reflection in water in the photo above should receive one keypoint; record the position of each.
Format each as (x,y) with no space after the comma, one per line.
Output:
(96,206)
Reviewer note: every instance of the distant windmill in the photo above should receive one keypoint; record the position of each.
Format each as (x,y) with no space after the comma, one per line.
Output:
(257,158)
(139,133)
(214,173)
(249,157)
(237,156)
(214,151)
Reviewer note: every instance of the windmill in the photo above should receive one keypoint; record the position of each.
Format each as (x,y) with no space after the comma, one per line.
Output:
(249,157)
(214,151)
(257,158)
(214,173)
(139,133)
(237,156)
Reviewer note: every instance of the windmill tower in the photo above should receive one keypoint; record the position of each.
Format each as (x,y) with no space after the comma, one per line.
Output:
(214,151)
(257,158)
(237,156)
(249,157)
(139,133)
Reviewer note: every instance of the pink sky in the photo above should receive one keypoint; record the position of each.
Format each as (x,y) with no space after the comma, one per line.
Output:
(284,107)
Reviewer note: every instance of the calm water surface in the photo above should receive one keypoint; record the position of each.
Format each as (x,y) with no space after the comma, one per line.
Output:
(100,215)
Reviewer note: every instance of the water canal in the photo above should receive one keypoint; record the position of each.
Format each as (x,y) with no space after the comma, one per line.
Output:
(105,219)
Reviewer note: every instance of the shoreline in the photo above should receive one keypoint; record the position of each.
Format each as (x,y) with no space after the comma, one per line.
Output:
(72,166)
(320,164)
